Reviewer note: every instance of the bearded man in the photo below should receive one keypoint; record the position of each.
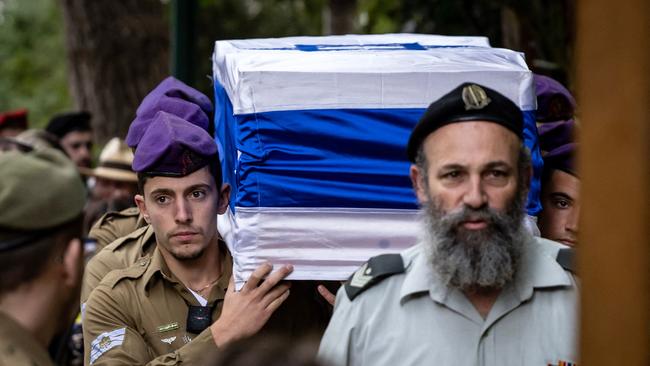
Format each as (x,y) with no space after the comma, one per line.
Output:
(478,288)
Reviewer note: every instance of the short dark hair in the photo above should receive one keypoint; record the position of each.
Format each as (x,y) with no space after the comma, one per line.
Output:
(24,264)
(62,124)
(214,167)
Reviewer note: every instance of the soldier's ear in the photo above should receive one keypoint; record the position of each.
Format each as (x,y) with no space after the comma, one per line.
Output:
(419,185)
(139,201)
(73,258)
(224,198)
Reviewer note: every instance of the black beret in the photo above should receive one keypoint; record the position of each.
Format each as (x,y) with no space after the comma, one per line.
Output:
(62,124)
(468,102)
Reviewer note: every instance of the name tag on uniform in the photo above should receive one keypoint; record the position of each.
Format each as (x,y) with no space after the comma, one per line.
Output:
(167,327)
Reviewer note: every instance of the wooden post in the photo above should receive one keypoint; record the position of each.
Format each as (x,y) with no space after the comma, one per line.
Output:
(613,75)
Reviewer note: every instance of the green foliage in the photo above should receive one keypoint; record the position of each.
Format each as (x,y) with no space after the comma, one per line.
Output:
(32,59)
(546,26)
(238,19)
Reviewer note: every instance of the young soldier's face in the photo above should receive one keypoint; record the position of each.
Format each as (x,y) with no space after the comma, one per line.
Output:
(183,212)
(472,164)
(561,208)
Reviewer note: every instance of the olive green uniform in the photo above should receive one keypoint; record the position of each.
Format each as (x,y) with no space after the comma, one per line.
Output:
(138,315)
(119,254)
(113,225)
(18,347)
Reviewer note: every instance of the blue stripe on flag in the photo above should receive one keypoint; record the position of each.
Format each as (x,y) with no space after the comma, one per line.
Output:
(327,158)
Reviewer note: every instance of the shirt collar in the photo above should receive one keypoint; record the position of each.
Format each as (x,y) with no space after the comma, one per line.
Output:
(539,270)
(420,277)
(158,270)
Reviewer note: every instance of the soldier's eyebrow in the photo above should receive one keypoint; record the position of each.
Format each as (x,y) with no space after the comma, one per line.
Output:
(561,195)
(498,164)
(452,166)
(194,187)
(159,191)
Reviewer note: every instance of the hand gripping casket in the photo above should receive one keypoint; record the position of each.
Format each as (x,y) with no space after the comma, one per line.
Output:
(312,134)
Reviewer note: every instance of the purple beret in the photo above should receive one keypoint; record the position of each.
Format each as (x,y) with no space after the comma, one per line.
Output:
(555,134)
(561,158)
(554,101)
(174,147)
(171,96)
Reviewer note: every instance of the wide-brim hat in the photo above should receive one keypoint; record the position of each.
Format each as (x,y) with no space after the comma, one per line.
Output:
(114,163)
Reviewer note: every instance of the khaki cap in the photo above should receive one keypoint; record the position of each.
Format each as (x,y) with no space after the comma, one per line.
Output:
(39,190)
(115,162)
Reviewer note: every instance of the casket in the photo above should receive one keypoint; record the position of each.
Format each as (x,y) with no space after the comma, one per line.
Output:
(312,134)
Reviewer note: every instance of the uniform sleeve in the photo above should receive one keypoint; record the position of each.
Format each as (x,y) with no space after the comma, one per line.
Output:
(114,225)
(96,269)
(339,345)
(111,337)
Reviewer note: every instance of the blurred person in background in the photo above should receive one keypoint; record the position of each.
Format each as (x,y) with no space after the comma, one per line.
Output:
(13,123)
(75,135)
(115,183)
(41,254)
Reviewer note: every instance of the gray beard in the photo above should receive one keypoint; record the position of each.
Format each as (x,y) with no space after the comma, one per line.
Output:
(472,260)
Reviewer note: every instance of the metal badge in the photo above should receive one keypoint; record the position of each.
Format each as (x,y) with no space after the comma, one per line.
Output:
(168,327)
(475,97)
(168,340)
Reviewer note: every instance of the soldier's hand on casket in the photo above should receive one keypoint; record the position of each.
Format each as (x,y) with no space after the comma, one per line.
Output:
(326,294)
(245,312)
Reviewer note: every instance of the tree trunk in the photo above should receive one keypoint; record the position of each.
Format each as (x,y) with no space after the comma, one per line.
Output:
(117,52)
(341,16)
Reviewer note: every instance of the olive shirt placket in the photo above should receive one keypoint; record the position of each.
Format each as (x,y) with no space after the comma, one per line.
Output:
(139,316)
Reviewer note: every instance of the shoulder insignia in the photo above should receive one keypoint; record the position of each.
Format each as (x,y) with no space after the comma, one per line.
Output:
(105,342)
(134,271)
(372,272)
(566,259)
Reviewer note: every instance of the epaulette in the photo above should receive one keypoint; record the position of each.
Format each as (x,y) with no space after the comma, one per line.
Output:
(137,233)
(110,215)
(372,272)
(566,257)
(133,272)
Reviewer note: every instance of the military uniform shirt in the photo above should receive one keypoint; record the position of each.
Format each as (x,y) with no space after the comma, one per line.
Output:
(18,347)
(120,254)
(113,225)
(138,315)
(413,319)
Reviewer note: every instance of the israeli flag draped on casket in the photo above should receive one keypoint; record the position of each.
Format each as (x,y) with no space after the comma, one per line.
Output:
(312,134)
